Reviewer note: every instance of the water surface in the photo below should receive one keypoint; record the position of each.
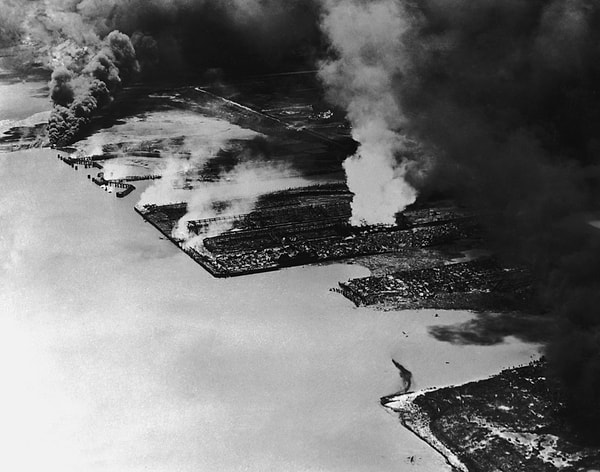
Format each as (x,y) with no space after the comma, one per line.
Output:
(119,353)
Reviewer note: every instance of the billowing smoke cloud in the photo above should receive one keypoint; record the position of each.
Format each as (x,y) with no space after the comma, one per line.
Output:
(366,41)
(183,36)
(172,38)
(235,193)
(232,192)
(182,163)
(61,90)
(77,99)
(504,93)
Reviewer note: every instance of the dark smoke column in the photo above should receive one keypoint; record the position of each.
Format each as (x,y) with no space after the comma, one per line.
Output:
(505,94)
(78,94)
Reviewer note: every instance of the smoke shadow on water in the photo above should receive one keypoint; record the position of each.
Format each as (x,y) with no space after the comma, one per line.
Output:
(487,329)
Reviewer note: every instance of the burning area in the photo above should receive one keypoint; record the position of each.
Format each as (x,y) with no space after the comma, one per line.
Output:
(78,93)
(492,103)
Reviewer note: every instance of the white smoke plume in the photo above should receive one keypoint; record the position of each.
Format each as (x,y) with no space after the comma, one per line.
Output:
(239,189)
(366,41)
(202,139)
(174,169)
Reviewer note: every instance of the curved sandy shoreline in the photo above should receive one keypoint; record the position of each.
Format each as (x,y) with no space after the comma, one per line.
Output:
(416,420)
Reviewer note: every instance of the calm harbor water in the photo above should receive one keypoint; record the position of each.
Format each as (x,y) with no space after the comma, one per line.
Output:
(119,353)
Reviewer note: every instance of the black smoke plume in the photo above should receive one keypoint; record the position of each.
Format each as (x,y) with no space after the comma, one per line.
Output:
(174,37)
(505,94)
(61,91)
(172,40)
(78,97)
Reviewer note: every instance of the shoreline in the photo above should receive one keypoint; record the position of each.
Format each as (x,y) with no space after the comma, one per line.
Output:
(415,420)
(312,318)
(513,420)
